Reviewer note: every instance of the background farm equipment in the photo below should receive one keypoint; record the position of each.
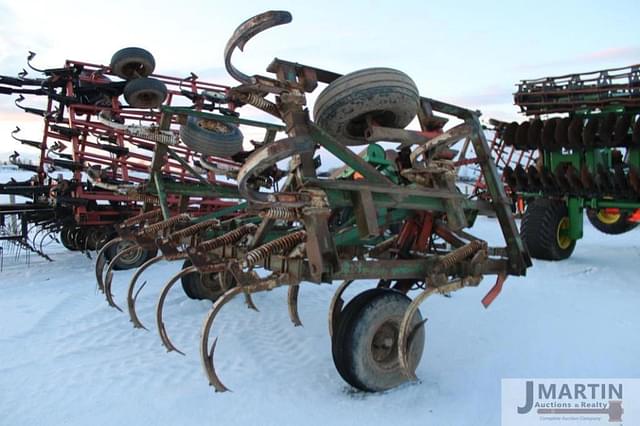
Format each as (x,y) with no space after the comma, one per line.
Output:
(394,217)
(586,132)
(102,150)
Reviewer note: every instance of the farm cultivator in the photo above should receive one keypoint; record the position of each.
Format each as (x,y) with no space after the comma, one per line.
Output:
(392,216)
(102,150)
(588,150)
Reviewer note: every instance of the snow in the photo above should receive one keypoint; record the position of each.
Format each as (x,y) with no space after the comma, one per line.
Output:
(67,358)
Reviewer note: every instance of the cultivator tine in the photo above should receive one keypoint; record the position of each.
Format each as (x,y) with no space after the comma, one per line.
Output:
(247,30)
(109,275)
(206,355)
(132,295)
(248,300)
(292,303)
(162,331)
(336,305)
(403,335)
(101,261)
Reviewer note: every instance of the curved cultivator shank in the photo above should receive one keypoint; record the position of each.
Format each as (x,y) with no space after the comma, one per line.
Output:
(392,216)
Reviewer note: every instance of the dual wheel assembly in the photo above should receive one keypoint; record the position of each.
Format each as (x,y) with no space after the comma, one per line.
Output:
(135,65)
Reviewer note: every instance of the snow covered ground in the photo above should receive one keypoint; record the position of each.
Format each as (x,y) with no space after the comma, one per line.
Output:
(67,358)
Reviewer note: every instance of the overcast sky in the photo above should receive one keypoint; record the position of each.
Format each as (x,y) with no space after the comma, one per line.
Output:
(468,52)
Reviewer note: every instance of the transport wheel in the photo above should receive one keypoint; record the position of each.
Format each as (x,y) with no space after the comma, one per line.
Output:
(132,62)
(365,344)
(545,228)
(133,259)
(610,221)
(386,96)
(145,93)
(211,137)
(205,286)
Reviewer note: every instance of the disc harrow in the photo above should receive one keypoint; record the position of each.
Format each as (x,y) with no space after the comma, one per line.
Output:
(584,138)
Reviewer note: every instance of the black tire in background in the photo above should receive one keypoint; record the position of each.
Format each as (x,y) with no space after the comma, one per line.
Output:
(610,224)
(145,93)
(389,97)
(211,137)
(132,62)
(131,260)
(543,230)
(364,345)
(203,286)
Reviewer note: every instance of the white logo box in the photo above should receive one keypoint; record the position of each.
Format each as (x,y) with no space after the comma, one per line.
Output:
(568,402)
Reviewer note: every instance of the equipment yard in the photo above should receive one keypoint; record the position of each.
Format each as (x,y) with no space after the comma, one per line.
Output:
(68,360)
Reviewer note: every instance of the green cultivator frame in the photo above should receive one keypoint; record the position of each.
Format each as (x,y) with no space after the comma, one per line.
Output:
(589,159)
(394,216)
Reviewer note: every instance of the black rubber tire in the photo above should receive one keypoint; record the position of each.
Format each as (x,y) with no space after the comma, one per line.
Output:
(211,137)
(353,340)
(134,260)
(145,93)
(388,96)
(620,226)
(204,286)
(539,229)
(132,62)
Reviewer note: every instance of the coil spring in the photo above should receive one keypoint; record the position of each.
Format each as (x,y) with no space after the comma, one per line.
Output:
(145,198)
(260,103)
(150,215)
(279,213)
(228,238)
(159,226)
(194,229)
(284,243)
(461,253)
(176,256)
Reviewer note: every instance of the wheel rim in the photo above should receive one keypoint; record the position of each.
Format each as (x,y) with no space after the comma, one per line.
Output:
(384,345)
(608,217)
(562,235)
(130,257)
(214,126)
